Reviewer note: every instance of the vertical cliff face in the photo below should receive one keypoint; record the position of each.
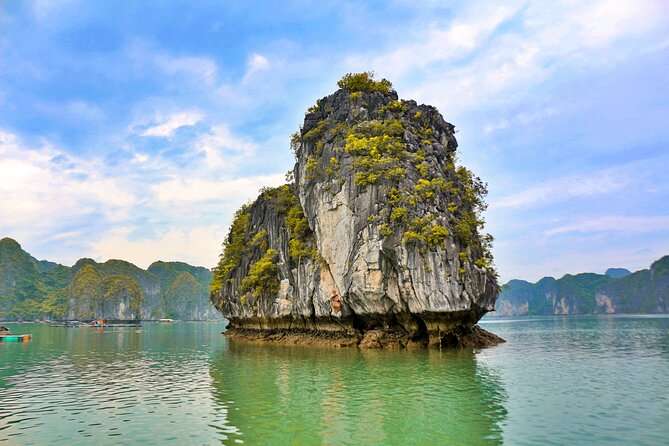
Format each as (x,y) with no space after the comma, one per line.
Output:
(617,291)
(378,237)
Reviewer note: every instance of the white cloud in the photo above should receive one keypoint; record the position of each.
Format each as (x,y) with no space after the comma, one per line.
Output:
(141,59)
(199,245)
(219,143)
(256,64)
(189,190)
(153,208)
(607,20)
(616,223)
(169,124)
(572,186)
(201,68)
(474,59)
(45,187)
(438,44)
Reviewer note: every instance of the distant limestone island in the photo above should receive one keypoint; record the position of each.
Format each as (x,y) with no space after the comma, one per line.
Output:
(376,241)
(32,289)
(616,291)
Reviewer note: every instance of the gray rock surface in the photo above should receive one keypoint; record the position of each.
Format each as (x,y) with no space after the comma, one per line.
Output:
(388,217)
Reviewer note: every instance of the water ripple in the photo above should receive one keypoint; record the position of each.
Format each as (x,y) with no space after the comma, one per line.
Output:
(557,381)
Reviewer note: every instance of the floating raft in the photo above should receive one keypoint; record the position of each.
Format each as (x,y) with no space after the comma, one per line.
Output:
(15,338)
(114,325)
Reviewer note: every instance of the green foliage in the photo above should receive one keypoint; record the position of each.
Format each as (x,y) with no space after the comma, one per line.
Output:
(95,294)
(263,276)
(423,231)
(300,237)
(420,155)
(233,249)
(312,164)
(316,132)
(365,178)
(312,168)
(355,95)
(355,82)
(412,237)
(466,227)
(295,140)
(260,240)
(87,290)
(399,214)
(182,295)
(482,263)
(54,306)
(122,287)
(385,230)
(436,235)
(473,190)
(393,196)
(424,189)
(395,107)
(379,151)
(184,289)
(422,169)
(23,278)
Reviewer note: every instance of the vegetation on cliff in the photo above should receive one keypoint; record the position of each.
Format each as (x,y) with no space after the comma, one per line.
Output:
(394,148)
(380,227)
(357,82)
(32,289)
(246,246)
(618,291)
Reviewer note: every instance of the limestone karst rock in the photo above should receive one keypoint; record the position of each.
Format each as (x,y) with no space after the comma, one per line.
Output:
(377,241)
(32,289)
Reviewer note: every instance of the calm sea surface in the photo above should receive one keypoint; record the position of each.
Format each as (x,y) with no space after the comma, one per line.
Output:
(562,381)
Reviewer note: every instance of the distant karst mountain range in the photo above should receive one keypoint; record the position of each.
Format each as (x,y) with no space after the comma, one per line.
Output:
(616,291)
(33,289)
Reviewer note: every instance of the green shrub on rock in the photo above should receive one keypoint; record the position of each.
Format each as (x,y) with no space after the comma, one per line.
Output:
(263,276)
(355,82)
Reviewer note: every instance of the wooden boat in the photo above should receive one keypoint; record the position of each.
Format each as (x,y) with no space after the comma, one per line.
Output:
(15,337)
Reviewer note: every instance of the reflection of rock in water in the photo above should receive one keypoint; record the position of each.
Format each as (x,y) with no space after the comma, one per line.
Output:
(281,395)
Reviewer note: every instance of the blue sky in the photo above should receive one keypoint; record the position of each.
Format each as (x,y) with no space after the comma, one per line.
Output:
(135,129)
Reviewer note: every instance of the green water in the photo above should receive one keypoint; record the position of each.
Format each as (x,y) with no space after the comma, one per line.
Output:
(562,381)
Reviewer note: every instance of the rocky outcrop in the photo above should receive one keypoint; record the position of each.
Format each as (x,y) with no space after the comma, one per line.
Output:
(376,242)
(616,291)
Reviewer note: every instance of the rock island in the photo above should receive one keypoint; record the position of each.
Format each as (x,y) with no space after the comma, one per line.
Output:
(375,242)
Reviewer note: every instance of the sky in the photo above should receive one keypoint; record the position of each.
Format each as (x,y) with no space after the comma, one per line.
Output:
(135,129)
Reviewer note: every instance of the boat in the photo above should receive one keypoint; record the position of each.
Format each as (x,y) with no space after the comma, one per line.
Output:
(6,336)
(15,337)
(101,323)
(167,320)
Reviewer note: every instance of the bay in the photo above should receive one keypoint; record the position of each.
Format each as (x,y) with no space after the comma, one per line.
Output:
(558,380)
